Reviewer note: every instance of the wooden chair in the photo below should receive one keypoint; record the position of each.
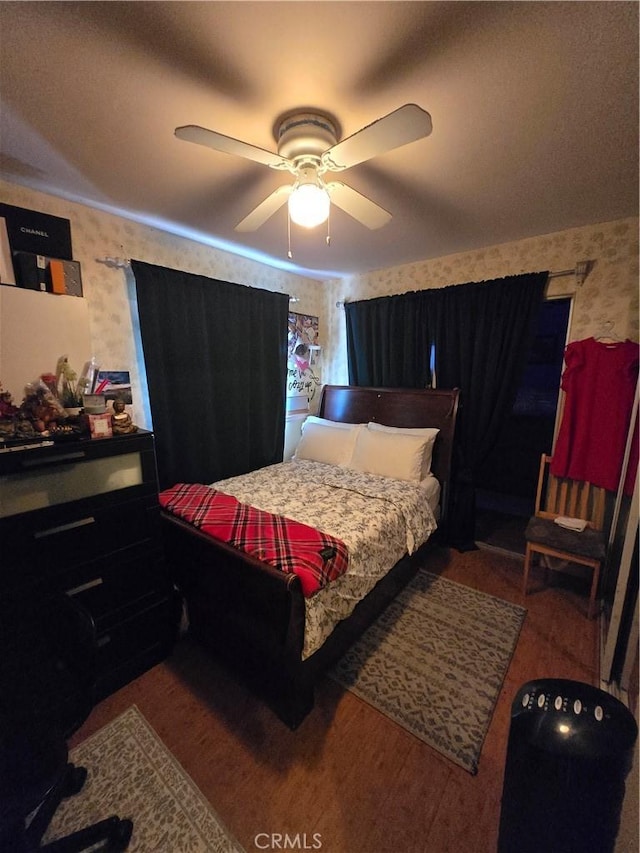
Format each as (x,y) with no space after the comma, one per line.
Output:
(558,497)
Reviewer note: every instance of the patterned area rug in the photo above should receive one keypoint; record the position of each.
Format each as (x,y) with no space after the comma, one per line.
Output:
(132,774)
(434,662)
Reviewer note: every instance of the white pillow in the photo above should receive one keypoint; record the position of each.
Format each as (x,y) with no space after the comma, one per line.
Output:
(321,443)
(390,454)
(429,433)
(313,419)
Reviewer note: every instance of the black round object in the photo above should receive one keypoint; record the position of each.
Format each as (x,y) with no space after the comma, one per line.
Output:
(570,750)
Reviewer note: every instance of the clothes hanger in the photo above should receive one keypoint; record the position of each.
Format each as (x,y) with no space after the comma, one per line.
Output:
(607,333)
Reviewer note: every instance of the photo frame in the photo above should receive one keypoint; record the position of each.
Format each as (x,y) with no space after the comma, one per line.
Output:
(114,383)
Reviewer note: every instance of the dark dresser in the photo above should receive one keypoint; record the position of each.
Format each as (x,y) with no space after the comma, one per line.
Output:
(82,517)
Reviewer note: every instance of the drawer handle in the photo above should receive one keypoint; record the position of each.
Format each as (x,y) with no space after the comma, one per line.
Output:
(84,586)
(63,457)
(61,528)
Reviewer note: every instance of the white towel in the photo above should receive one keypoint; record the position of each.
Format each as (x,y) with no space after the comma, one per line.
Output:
(577,524)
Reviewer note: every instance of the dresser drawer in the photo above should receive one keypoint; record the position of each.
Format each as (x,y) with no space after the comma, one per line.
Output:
(140,640)
(48,541)
(113,585)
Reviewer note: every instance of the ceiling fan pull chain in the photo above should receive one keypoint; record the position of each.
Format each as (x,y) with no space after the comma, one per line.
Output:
(289,252)
(329,228)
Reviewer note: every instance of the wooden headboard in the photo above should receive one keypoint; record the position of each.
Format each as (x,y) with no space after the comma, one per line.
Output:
(401,407)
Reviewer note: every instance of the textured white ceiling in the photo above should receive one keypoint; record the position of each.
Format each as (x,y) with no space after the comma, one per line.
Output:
(534,108)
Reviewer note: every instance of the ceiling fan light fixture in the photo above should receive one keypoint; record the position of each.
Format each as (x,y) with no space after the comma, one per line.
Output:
(308,148)
(309,205)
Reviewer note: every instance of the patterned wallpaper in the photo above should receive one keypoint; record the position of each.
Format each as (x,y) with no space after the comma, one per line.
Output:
(610,292)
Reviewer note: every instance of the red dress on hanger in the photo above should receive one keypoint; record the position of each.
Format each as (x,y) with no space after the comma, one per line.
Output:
(599,381)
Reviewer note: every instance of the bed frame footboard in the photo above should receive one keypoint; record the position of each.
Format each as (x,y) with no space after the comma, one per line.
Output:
(251,616)
(248,614)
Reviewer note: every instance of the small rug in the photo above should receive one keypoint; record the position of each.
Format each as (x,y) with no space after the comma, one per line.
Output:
(132,774)
(434,662)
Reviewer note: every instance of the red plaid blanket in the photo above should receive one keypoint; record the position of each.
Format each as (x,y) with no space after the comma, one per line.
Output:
(317,558)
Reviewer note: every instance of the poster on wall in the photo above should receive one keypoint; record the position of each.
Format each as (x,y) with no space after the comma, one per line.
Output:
(37,233)
(303,362)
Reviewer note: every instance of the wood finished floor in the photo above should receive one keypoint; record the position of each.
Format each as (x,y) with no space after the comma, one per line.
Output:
(348,773)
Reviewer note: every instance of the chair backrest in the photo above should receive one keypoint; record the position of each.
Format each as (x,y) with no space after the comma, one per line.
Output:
(557,496)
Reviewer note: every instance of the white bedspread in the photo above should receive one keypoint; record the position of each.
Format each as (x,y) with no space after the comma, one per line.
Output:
(379,520)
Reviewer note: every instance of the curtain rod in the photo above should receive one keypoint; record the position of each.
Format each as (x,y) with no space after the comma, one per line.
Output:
(581,271)
(125,263)
(115,263)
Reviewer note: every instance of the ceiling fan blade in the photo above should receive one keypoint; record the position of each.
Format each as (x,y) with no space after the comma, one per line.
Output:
(357,205)
(404,125)
(229,145)
(265,209)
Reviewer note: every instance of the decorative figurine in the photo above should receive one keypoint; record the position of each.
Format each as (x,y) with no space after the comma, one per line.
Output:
(7,408)
(121,420)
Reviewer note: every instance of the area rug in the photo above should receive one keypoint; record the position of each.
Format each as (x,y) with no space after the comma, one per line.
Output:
(132,774)
(434,662)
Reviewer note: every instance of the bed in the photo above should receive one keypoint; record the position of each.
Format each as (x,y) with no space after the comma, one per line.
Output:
(256,618)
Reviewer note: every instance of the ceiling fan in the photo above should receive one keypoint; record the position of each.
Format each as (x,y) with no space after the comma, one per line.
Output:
(308,148)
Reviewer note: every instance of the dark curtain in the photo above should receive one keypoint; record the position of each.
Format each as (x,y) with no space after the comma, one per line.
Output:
(216,362)
(482,334)
(387,342)
(482,340)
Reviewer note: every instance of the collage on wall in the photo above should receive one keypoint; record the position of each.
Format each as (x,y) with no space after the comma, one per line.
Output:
(303,362)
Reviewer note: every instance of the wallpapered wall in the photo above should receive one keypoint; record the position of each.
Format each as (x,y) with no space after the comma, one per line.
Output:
(610,291)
